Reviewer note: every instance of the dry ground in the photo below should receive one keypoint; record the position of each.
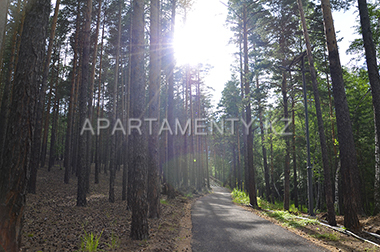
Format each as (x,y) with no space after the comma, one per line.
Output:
(52,222)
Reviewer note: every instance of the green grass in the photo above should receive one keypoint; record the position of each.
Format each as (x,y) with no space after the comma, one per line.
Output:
(290,220)
(328,236)
(276,210)
(164,202)
(90,242)
(240,197)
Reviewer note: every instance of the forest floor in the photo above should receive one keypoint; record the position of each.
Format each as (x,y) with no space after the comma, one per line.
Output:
(53,222)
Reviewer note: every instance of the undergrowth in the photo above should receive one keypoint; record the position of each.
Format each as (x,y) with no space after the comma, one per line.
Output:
(275,210)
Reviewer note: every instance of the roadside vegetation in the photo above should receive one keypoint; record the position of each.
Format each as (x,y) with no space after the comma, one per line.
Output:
(297,221)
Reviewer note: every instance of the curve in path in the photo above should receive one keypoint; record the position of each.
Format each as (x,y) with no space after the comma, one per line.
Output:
(219,225)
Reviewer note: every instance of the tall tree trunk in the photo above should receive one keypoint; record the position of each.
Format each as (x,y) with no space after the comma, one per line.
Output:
(377,175)
(126,192)
(295,181)
(138,160)
(238,163)
(14,163)
(91,96)
(321,131)
(97,141)
(34,164)
(70,115)
(113,160)
(374,80)
(248,117)
(264,150)
(82,157)
(53,134)
(3,21)
(171,161)
(154,92)
(284,90)
(46,127)
(349,167)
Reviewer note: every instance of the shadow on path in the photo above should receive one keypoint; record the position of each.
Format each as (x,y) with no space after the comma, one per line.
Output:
(219,225)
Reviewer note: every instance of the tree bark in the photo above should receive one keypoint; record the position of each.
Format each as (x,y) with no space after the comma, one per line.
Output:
(82,157)
(349,167)
(248,117)
(154,92)
(14,164)
(138,160)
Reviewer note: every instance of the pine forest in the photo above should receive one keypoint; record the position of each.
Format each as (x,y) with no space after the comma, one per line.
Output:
(101,123)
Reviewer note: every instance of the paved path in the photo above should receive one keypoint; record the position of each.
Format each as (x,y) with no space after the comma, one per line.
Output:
(219,225)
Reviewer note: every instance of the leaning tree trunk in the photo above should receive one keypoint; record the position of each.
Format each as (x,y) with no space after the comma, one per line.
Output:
(14,163)
(374,80)
(138,159)
(349,167)
(321,131)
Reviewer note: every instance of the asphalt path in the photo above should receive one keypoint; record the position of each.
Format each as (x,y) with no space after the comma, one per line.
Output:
(219,225)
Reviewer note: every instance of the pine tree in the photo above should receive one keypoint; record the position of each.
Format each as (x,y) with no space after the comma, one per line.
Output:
(14,164)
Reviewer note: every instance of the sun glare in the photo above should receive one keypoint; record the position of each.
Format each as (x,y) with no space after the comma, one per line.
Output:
(198,39)
(189,45)
(204,39)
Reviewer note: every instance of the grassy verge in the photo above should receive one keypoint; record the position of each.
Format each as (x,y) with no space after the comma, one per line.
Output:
(307,228)
(274,210)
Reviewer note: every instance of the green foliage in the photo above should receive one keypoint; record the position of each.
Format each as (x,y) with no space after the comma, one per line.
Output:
(328,236)
(274,211)
(189,195)
(290,219)
(240,197)
(164,202)
(90,242)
